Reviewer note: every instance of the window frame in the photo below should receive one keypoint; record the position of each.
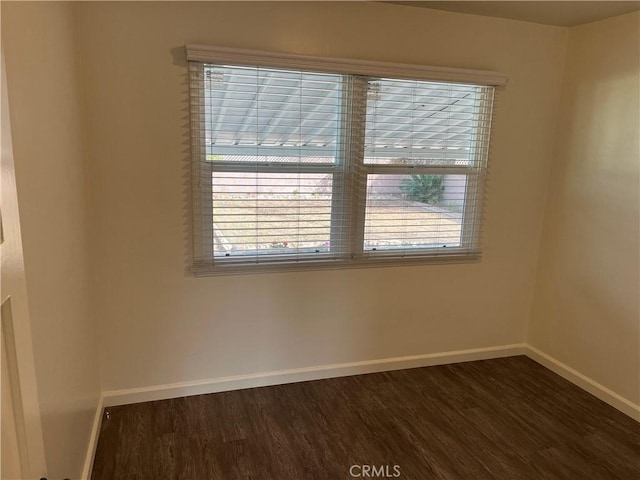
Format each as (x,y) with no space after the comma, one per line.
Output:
(348,209)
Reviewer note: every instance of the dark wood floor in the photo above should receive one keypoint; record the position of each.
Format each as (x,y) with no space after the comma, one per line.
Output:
(496,419)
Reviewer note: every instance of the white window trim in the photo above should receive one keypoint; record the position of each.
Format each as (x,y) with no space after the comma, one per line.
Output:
(254,58)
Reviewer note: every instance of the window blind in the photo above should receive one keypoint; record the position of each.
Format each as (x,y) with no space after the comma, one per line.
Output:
(425,155)
(299,168)
(272,146)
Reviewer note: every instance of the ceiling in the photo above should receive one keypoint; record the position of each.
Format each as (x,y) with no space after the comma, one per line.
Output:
(561,13)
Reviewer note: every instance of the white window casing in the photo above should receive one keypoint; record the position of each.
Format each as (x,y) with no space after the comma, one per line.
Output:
(305,162)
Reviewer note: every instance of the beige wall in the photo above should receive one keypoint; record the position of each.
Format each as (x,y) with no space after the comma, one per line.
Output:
(586,310)
(45,110)
(158,324)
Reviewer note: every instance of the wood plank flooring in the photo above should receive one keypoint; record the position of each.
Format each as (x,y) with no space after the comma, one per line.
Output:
(495,419)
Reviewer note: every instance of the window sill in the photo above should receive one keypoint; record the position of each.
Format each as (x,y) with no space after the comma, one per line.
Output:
(206,269)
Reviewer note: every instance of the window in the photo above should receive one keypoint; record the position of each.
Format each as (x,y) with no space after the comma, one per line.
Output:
(301,162)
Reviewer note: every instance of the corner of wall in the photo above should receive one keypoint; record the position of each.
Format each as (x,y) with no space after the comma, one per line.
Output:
(552,165)
(591,204)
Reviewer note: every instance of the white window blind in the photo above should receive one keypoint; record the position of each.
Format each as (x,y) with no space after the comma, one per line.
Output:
(304,168)
(425,155)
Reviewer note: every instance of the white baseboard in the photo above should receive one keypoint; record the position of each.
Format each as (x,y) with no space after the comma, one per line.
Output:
(594,388)
(237,382)
(93,440)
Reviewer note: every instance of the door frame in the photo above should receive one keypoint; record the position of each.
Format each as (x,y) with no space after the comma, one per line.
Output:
(16,323)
